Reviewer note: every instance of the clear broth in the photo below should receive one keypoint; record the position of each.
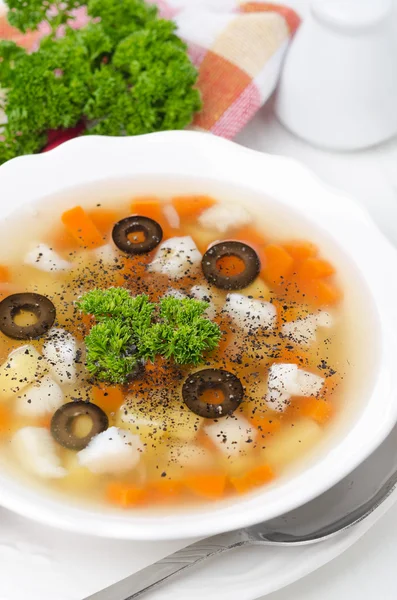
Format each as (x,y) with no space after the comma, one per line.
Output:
(344,349)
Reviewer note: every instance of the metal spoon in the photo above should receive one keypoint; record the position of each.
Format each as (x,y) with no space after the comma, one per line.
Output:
(262,534)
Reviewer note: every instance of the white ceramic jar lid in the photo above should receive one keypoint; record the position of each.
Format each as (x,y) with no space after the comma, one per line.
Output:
(351,14)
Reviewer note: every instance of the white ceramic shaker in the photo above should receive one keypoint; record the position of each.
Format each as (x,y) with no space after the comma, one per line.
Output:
(338,88)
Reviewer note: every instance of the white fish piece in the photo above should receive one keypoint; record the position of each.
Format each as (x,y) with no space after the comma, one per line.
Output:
(277,400)
(249,313)
(107,254)
(172,216)
(286,380)
(304,331)
(176,257)
(308,384)
(222,217)
(60,352)
(46,259)
(283,377)
(202,292)
(112,451)
(23,366)
(35,450)
(231,435)
(40,398)
(324,319)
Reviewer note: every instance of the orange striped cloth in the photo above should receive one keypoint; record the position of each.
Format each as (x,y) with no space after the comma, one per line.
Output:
(238,48)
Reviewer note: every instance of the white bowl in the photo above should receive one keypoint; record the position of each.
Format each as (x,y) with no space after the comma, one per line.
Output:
(96,160)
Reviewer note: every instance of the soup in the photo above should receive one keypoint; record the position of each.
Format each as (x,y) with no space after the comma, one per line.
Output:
(167,352)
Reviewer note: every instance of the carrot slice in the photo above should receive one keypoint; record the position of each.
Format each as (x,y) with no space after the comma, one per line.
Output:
(124,495)
(314,408)
(322,293)
(165,490)
(109,398)
(315,268)
(148,206)
(4,274)
(257,477)
(192,206)
(207,485)
(45,421)
(230,265)
(277,263)
(81,227)
(300,250)
(103,219)
(251,236)
(152,207)
(265,422)
(5,419)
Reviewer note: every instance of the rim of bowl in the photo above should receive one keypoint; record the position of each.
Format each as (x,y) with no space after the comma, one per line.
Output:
(91,159)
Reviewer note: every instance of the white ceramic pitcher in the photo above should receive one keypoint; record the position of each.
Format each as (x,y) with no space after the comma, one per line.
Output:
(338,88)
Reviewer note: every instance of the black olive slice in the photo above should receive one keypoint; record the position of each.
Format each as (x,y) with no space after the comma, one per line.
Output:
(151,231)
(211,268)
(39,305)
(63,419)
(227,384)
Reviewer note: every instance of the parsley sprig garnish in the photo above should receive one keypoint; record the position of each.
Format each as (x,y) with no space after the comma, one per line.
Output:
(125,73)
(131,329)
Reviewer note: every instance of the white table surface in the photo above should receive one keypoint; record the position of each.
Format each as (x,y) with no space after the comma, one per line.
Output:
(367,570)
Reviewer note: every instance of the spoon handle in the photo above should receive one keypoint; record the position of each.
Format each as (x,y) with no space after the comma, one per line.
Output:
(163,570)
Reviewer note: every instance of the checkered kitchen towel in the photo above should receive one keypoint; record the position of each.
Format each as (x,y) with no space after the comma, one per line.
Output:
(238,48)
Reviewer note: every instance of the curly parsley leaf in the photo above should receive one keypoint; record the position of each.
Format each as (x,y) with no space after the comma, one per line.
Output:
(130,330)
(125,73)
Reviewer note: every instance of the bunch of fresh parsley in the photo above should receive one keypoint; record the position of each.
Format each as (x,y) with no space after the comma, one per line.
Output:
(131,329)
(125,73)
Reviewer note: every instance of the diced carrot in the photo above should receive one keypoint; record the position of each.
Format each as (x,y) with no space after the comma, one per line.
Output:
(165,490)
(5,418)
(322,293)
(192,206)
(314,408)
(152,207)
(251,236)
(104,219)
(4,274)
(267,423)
(60,240)
(207,485)
(300,250)
(212,396)
(277,263)
(124,495)
(257,477)
(148,206)
(315,268)
(230,265)
(81,227)
(109,398)
(45,421)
